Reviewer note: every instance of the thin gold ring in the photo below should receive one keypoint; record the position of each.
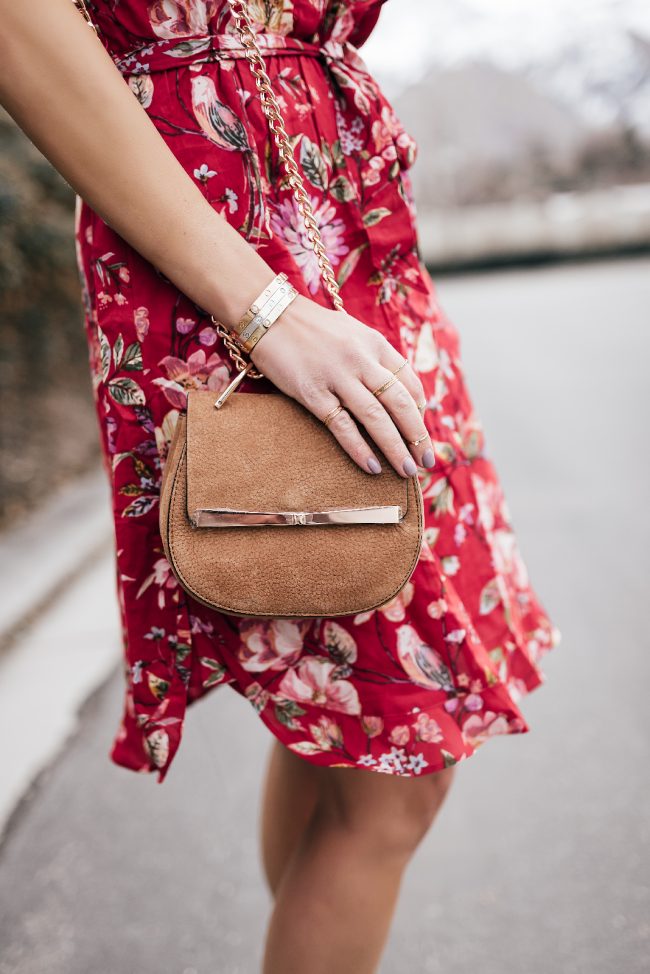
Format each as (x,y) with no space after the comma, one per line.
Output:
(334,412)
(393,379)
(422,405)
(400,367)
(419,440)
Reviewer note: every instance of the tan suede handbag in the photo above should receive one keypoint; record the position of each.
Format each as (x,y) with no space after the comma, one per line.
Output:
(281,523)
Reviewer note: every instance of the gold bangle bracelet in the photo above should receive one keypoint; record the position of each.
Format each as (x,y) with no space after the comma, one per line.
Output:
(248,340)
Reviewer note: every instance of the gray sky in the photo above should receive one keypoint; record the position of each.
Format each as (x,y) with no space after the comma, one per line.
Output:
(412,34)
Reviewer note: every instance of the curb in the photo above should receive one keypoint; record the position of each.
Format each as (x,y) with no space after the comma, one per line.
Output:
(44,554)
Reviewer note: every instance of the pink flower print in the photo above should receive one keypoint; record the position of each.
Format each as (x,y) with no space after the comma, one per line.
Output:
(437,609)
(385,129)
(287,223)
(162,577)
(479,727)
(165,432)
(395,610)
(123,274)
(181,18)
(198,372)
(487,497)
(473,702)
(372,726)
(272,645)
(207,336)
(421,662)
(400,735)
(327,734)
(427,729)
(141,322)
(184,325)
(312,682)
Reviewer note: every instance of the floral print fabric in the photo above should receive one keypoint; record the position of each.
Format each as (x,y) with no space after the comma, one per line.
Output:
(418,684)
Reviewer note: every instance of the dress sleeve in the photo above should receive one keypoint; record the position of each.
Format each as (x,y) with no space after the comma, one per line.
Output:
(366,24)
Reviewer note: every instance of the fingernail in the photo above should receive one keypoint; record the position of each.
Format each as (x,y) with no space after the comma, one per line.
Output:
(409,467)
(428,459)
(374,466)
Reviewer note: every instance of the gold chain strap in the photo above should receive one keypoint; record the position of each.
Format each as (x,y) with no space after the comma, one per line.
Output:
(271,109)
(273,113)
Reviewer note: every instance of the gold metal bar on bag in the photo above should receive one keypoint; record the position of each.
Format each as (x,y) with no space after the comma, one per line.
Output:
(226,518)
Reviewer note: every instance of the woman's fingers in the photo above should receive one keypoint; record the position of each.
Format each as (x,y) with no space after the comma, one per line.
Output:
(343,428)
(401,405)
(393,430)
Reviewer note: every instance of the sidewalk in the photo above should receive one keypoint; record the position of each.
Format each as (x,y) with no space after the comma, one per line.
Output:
(59,635)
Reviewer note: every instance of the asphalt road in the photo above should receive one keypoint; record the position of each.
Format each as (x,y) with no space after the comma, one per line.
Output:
(539,863)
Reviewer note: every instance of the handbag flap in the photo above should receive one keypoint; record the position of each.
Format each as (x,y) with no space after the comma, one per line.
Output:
(267,453)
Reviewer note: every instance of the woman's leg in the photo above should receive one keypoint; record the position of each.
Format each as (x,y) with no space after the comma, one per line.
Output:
(336,898)
(289,797)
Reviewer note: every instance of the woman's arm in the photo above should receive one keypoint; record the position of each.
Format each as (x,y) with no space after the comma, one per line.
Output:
(62,88)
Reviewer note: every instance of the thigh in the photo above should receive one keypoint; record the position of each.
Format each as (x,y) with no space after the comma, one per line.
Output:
(394,806)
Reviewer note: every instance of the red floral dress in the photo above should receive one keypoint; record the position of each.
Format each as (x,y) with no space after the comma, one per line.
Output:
(418,684)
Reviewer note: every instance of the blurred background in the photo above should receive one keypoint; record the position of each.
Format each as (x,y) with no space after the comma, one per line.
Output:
(532,186)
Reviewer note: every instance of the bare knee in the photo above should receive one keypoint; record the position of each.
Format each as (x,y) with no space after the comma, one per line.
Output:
(382,813)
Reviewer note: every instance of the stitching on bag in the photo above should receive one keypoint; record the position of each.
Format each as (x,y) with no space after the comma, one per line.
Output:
(288,615)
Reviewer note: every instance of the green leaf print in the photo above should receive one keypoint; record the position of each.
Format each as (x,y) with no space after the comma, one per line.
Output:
(126,392)
(118,349)
(325,149)
(131,490)
(342,189)
(212,664)
(140,506)
(306,747)
(449,758)
(286,711)
(133,357)
(338,159)
(189,47)
(490,597)
(105,353)
(443,498)
(313,164)
(218,671)
(373,217)
(350,263)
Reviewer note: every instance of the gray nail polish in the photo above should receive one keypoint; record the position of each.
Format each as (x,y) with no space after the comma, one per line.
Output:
(409,467)
(428,459)
(374,466)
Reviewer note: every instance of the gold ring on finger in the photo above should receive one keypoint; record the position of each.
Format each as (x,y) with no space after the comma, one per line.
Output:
(419,440)
(334,412)
(393,379)
(422,405)
(400,367)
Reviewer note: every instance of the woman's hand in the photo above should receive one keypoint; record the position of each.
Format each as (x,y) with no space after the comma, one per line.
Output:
(324,358)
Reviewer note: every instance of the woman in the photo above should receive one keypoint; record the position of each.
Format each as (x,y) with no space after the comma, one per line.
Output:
(183,214)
